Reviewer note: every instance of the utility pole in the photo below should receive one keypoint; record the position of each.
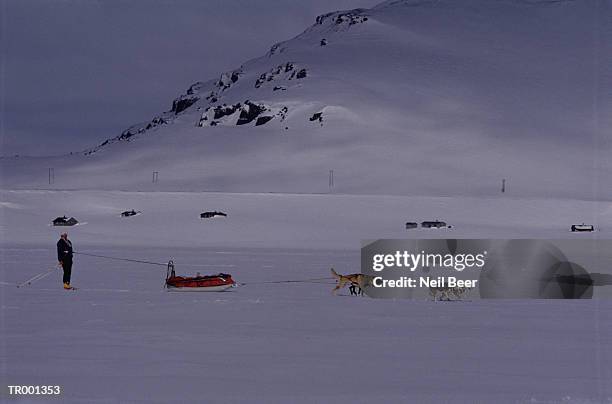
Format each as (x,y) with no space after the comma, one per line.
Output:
(331,179)
(155,176)
(503,185)
(51,176)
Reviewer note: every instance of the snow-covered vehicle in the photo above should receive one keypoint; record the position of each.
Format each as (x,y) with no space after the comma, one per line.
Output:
(582,227)
(208,215)
(64,221)
(433,224)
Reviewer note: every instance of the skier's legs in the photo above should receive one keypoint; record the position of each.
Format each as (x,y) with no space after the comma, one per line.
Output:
(67,266)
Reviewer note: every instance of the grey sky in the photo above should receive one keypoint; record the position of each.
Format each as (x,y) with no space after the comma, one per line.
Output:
(77,72)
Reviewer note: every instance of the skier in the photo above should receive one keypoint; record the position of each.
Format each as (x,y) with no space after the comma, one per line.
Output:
(64,256)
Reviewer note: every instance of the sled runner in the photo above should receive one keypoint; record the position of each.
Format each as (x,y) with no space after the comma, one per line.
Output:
(199,283)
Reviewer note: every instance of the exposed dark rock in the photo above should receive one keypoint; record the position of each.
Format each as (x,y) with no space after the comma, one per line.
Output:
(224,110)
(262,120)
(351,18)
(276,48)
(323,42)
(182,103)
(227,79)
(283,113)
(250,112)
(298,74)
(274,73)
(281,88)
(126,134)
(317,116)
(321,19)
(260,80)
(194,88)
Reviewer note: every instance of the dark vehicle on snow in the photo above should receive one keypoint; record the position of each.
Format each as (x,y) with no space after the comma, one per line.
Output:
(433,224)
(64,221)
(582,227)
(208,215)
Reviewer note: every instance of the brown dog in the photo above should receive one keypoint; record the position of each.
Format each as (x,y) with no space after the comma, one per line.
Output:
(359,280)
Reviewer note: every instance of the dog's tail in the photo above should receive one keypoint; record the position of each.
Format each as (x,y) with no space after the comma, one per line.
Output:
(335,274)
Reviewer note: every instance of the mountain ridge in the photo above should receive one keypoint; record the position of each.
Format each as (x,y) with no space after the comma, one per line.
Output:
(401,98)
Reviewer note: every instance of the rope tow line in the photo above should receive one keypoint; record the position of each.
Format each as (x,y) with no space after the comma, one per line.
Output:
(311,280)
(154,263)
(122,259)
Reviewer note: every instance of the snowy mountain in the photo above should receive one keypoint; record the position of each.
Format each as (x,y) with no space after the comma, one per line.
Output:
(416,97)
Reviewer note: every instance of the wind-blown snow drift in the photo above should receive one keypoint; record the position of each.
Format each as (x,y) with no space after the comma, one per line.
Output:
(409,97)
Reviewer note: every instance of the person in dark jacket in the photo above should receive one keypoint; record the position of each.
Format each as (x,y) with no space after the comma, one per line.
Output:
(64,257)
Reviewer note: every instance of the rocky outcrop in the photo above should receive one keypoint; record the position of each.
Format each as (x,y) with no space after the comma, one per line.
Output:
(250,112)
(343,19)
(287,71)
(183,102)
(224,110)
(355,16)
(275,49)
(300,74)
(317,116)
(132,131)
(350,19)
(225,81)
(262,120)
(242,114)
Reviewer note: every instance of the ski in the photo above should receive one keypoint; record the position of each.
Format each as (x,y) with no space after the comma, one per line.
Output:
(36,278)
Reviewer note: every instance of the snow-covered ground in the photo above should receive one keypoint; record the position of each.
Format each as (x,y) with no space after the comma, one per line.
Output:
(327,221)
(121,337)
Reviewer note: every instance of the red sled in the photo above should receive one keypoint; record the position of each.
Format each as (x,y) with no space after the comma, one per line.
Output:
(200,283)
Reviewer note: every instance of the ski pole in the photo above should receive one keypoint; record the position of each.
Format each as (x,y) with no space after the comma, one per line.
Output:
(36,277)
